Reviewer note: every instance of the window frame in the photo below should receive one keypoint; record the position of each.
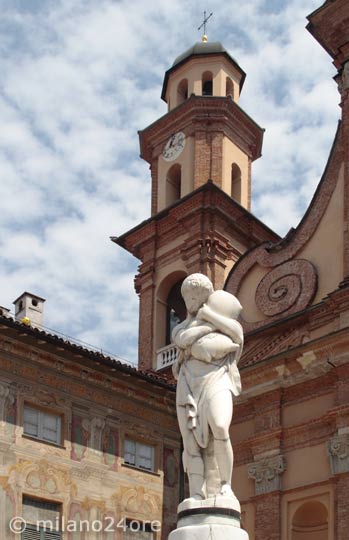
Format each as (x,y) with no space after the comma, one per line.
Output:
(42,412)
(42,533)
(138,443)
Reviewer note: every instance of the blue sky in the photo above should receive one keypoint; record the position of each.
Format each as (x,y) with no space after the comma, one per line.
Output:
(78,78)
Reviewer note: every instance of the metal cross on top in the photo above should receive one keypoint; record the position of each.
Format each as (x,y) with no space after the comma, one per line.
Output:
(204,37)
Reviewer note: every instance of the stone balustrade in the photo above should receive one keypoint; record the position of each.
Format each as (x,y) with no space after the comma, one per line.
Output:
(166,356)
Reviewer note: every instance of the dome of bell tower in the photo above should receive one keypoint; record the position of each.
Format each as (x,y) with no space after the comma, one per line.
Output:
(203,48)
(205,69)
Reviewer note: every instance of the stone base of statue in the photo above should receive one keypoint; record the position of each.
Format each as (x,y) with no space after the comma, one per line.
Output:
(216,517)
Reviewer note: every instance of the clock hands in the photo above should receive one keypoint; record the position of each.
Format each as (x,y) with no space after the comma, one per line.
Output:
(174,146)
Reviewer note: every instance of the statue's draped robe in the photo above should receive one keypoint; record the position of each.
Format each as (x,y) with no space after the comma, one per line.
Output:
(199,381)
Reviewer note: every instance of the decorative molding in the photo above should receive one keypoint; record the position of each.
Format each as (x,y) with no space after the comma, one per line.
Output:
(5,396)
(338,450)
(289,287)
(97,426)
(258,347)
(267,474)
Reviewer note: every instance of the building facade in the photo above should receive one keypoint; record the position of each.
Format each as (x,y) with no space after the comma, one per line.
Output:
(86,438)
(88,446)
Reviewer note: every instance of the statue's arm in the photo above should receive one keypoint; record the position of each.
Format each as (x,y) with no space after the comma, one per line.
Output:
(229,327)
(185,337)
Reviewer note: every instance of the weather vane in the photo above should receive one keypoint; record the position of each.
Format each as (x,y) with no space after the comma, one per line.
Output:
(204,37)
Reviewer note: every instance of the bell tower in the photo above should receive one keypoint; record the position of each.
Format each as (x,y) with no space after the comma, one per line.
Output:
(200,154)
(205,134)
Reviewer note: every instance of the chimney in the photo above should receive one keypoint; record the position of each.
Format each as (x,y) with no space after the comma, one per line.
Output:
(4,312)
(29,309)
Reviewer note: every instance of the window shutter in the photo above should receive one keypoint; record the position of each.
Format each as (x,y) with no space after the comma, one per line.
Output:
(31,533)
(31,422)
(51,427)
(130,452)
(41,425)
(52,535)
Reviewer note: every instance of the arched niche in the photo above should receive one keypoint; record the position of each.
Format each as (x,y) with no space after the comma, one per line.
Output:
(182,91)
(229,88)
(170,307)
(173,184)
(207,83)
(236,182)
(310,522)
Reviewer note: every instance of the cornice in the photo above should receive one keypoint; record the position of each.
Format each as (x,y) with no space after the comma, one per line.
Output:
(206,198)
(203,112)
(329,25)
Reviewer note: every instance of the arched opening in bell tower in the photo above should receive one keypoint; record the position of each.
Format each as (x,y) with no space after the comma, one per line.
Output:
(170,307)
(176,310)
(310,522)
(229,88)
(236,182)
(182,91)
(207,83)
(173,184)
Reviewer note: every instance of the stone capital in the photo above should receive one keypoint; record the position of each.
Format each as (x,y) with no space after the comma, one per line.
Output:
(267,473)
(338,450)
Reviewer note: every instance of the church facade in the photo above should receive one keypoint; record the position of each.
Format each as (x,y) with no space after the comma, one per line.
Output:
(86,438)
(291,425)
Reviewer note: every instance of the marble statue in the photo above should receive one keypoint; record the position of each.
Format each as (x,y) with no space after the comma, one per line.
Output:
(210,342)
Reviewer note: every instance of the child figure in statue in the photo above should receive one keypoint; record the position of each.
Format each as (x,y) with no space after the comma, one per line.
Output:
(210,342)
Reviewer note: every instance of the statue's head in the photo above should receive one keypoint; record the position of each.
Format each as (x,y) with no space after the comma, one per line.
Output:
(195,290)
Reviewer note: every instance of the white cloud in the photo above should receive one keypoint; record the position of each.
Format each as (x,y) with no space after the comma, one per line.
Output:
(78,79)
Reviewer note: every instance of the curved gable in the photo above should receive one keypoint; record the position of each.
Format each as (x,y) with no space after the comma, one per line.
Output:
(274,281)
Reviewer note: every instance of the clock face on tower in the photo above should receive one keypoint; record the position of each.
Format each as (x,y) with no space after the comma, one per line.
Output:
(174,146)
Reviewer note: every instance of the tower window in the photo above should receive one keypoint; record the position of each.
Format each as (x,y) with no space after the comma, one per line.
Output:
(182,91)
(207,84)
(176,310)
(236,182)
(229,88)
(173,184)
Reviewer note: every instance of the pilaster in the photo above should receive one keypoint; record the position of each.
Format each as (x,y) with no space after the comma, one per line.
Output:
(338,450)
(202,158)
(266,472)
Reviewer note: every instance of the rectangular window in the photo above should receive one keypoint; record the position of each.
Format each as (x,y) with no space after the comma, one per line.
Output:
(139,455)
(42,520)
(136,530)
(42,425)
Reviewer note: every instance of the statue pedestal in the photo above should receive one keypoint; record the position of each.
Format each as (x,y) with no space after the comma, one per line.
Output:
(216,517)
